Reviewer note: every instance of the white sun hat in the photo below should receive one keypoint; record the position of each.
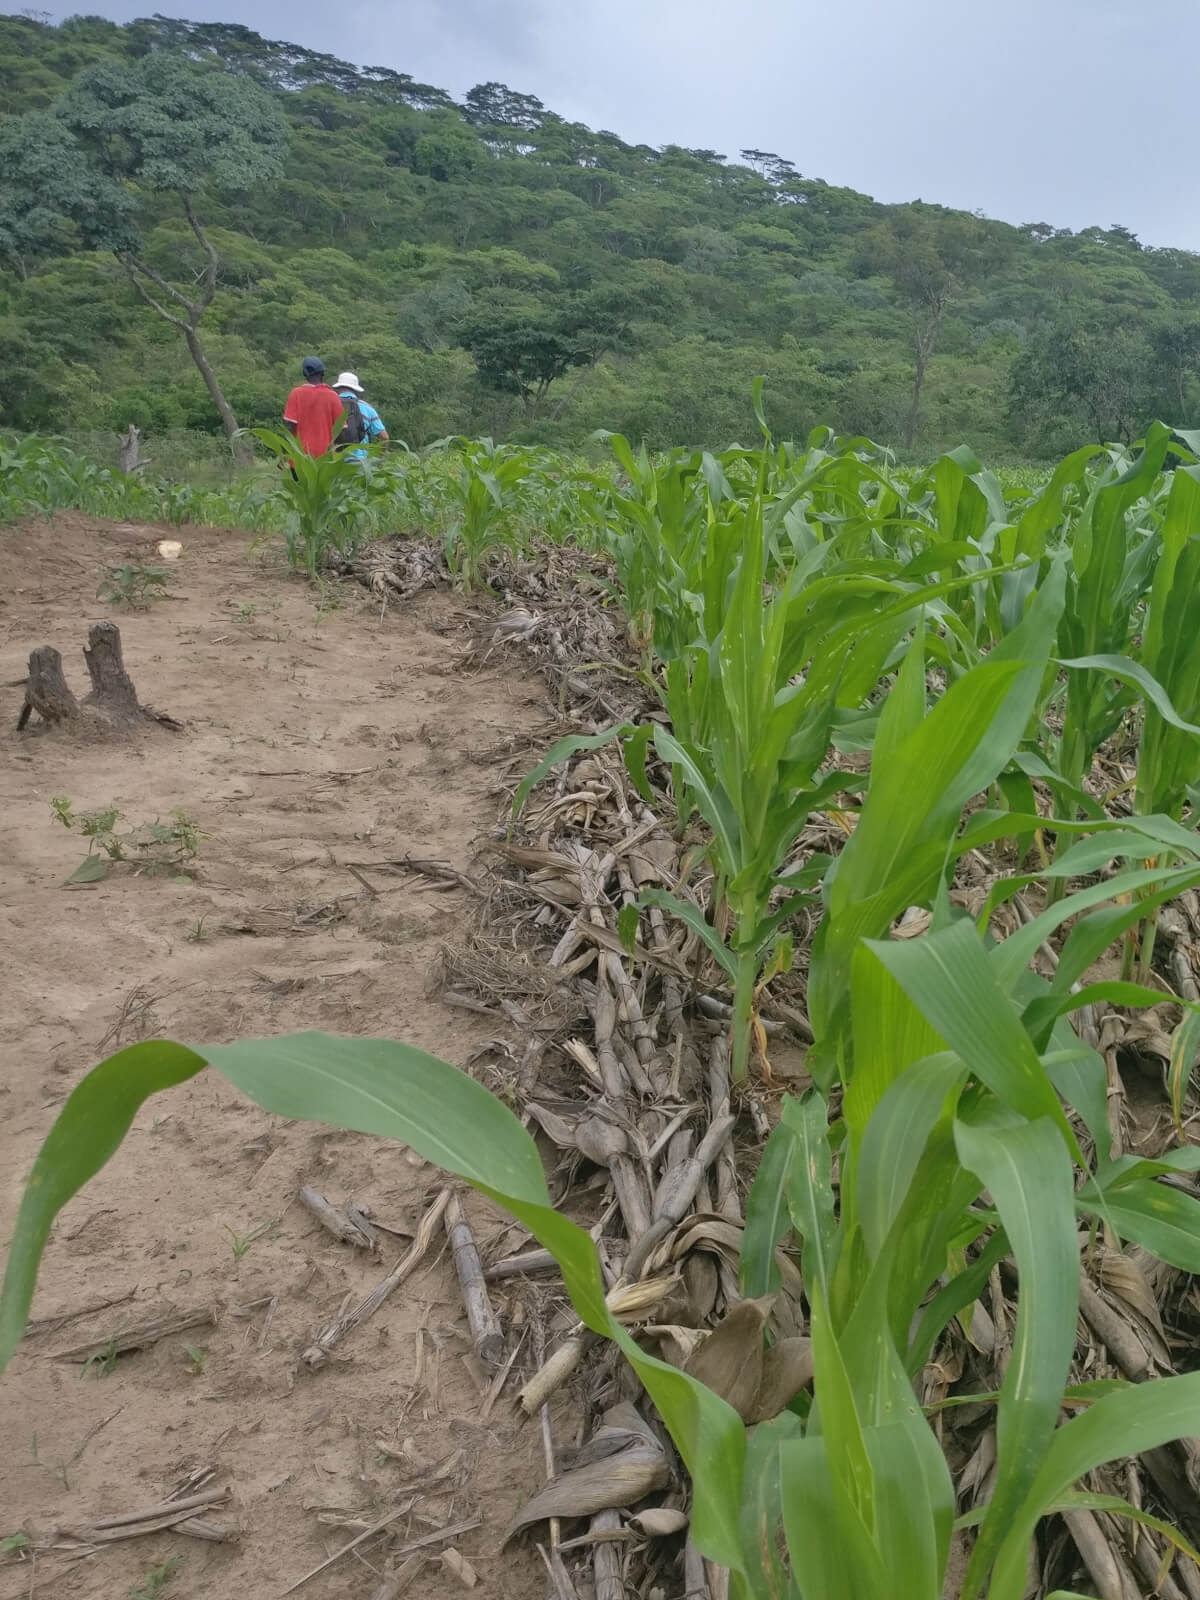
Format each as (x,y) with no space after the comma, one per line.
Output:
(348,380)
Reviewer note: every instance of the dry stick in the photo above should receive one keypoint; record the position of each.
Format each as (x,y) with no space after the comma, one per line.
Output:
(552,1374)
(1122,1343)
(1109,1573)
(317,1354)
(435,1537)
(517,1266)
(626,1180)
(560,1578)
(539,1339)
(272,1306)
(176,1514)
(487,1336)
(138,1338)
(34,1330)
(400,1581)
(501,1378)
(678,1189)
(606,1556)
(695,1580)
(1147,1558)
(341,1224)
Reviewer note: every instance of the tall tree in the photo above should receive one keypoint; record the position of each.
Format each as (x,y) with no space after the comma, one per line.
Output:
(120,142)
(1104,375)
(929,254)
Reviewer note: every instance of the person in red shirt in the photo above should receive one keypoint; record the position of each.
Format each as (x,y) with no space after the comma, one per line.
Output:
(312,409)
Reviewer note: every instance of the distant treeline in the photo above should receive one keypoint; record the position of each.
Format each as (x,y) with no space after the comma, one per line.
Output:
(488,267)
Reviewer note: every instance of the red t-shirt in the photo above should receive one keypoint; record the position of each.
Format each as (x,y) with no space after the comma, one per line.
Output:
(314,408)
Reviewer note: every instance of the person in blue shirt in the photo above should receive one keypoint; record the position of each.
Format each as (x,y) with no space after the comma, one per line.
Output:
(348,388)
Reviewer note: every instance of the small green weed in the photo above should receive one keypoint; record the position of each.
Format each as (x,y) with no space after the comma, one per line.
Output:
(196,1357)
(156,846)
(58,1468)
(153,1584)
(14,1543)
(102,1363)
(198,933)
(133,584)
(243,1241)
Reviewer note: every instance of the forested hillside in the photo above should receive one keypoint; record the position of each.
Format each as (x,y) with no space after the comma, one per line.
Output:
(489,267)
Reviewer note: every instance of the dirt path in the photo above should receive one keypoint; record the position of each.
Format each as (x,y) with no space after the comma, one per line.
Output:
(313,738)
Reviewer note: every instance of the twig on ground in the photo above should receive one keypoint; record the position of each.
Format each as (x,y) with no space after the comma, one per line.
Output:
(487,1336)
(347,1225)
(420,1543)
(317,1354)
(141,1336)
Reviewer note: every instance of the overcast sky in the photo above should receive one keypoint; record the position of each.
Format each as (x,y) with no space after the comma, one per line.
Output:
(1071,112)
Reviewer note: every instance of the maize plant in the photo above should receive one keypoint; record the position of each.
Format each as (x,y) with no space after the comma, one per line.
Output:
(324,497)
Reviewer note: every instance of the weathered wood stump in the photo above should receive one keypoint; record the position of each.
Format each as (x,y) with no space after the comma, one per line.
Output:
(112,693)
(46,690)
(129,448)
(112,706)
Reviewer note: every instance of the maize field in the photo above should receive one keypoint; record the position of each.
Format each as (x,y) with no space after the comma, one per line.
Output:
(898,769)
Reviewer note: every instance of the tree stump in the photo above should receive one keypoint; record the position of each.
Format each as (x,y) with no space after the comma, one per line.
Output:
(46,690)
(112,693)
(129,446)
(112,706)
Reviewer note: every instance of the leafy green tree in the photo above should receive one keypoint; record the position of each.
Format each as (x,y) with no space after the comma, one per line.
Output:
(524,356)
(1103,375)
(122,141)
(495,105)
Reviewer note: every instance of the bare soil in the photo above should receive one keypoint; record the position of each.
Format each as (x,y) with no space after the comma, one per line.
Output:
(315,736)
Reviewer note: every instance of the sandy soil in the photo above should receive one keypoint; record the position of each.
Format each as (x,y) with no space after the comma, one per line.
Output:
(315,736)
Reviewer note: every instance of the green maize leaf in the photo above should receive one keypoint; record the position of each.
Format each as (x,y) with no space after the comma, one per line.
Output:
(1169,760)
(1156,830)
(840,1424)
(932,1214)
(960,1292)
(890,1033)
(374,1086)
(1160,1218)
(394,1091)
(692,917)
(1090,854)
(1080,1076)
(947,975)
(1010,958)
(768,1219)
(86,1134)
(1074,1394)
(1137,677)
(1041,1014)
(810,1188)
(1028,1173)
(1185,1047)
(1122,1508)
(910,817)
(1098,1502)
(833,1555)
(914,1506)
(905,707)
(762,1508)
(562,751)
(1130,1169)
(895,1139)
(1091,936)
(714,807)
(1126,1423)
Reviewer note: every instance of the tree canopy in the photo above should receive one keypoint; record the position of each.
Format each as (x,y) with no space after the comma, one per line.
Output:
(491,266)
